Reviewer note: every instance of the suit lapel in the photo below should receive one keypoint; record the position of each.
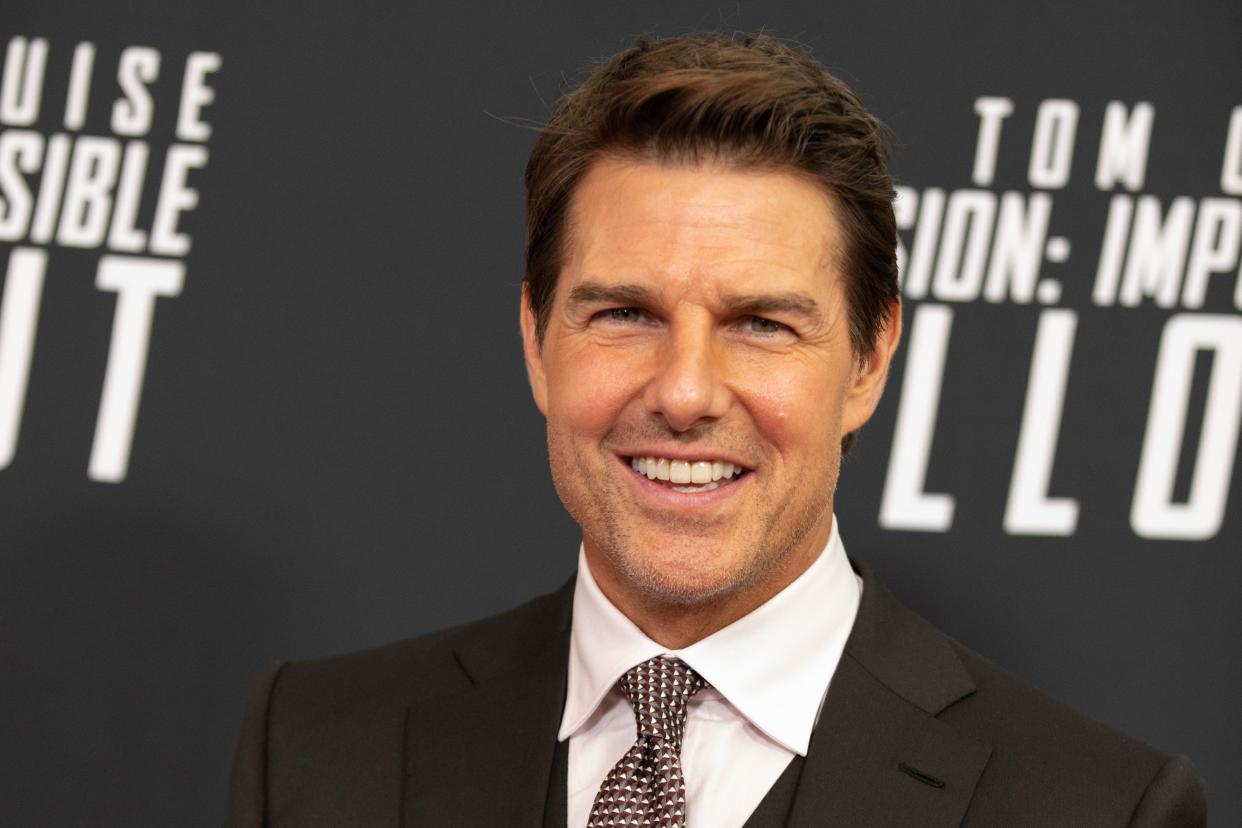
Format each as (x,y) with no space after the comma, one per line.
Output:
(879,756)
(483,756)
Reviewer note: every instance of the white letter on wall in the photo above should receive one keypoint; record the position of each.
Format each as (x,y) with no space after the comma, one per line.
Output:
(79,85)
(137,283)
(1231,169)
(131,115)
(991,112)
(1153,513)
(1030,511)
(1214,248)
(905,505)
(196,94)
(1052,151)
(20,152)
(174,199)
(22,90)
(1123,146)
(19,316)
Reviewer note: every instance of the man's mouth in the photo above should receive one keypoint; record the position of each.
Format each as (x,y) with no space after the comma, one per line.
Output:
(689,476)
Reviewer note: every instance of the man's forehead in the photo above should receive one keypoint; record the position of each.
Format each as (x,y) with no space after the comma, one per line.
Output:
(704,193)
(732,232)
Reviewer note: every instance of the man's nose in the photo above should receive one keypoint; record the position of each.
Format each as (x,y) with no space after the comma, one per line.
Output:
(689,386)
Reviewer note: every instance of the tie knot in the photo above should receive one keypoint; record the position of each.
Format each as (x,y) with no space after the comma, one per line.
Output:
(659,690)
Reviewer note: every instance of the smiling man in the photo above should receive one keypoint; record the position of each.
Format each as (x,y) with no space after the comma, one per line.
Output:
(699,325)
(709,312)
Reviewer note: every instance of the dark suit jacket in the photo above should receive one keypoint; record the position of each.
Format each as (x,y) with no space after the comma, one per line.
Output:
(459,728)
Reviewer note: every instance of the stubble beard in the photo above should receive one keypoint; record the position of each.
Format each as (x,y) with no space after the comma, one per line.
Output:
(679,581)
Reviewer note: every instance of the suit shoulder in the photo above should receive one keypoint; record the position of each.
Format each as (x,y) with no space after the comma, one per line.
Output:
(1007,706)
(401,671)
(1046,764)
(327,736)
(1042,745)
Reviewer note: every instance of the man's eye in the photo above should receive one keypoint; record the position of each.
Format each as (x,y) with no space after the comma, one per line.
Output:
(623,315)
(765,326)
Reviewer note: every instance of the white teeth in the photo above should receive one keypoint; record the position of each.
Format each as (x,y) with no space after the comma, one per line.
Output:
(679,471)
(703,474)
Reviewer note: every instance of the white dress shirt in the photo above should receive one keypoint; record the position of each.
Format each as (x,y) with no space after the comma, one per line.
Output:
(768,673)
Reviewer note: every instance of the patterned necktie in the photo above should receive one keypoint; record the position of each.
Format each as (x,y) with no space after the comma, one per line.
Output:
(646,786)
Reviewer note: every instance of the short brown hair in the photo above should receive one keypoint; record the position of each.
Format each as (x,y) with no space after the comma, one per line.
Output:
(747,100)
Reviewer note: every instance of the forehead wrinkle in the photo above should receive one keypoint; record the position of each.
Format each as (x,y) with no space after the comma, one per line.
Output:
(727,215)
(608,215)
(684,254)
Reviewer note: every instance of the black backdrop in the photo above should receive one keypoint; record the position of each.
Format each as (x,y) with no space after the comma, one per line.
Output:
(313,280)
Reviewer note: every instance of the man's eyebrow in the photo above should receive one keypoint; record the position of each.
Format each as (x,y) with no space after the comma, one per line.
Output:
(590,293)
(772,303)
(628,294)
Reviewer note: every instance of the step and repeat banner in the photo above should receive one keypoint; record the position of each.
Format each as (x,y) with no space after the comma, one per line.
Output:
(261,391)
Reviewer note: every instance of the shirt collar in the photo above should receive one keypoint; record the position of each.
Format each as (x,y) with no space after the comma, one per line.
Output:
(772,665)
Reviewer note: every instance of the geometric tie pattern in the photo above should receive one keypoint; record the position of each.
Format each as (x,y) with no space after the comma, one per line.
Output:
(646,786)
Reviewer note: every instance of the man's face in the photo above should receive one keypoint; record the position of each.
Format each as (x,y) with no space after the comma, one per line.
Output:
(699,322)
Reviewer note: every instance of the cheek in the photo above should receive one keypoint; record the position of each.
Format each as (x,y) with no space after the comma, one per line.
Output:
(588,392)
(795,413)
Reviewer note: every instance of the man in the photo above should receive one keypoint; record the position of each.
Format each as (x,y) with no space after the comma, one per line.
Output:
(709,312)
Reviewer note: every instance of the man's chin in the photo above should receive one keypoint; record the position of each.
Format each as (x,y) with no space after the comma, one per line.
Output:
(691,577)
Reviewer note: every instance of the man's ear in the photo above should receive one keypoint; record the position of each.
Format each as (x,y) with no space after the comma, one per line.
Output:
(533,353)
(867,382)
